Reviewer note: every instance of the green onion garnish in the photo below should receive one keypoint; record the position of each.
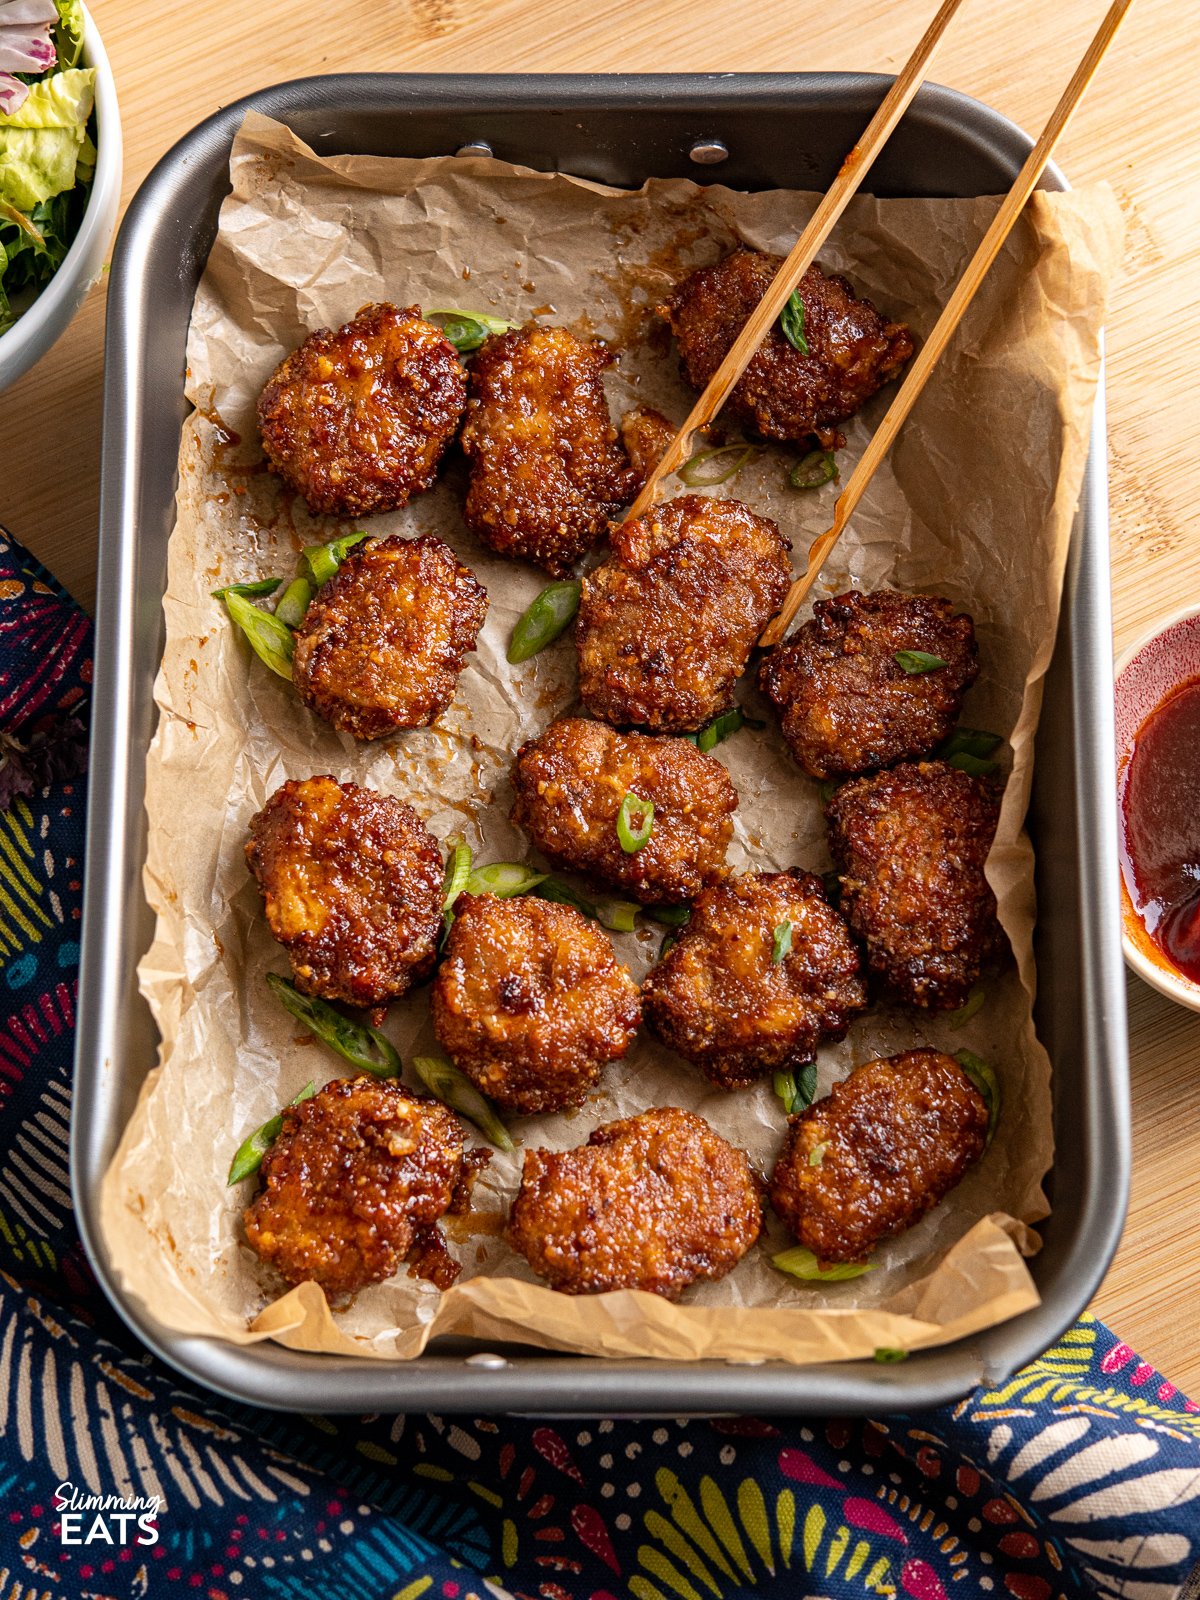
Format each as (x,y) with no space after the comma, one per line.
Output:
(791,323)
(635,822)
(812,471)
(617,915)
(781,943)
(796,1089)
(817,1154)
(543,620)
(293,602)
(973,766)
(260,586)
(466,330)
(363,1047)
(270,639)
(458,874)
(447,1084)
(669,916)
(915,661)
(983,1076)
(504,879)
(323,560)
(802,1263)
(885,1356)
(974,1001)
(251,1151)
(669,941)
(720,728)
(709,467)
(968,742)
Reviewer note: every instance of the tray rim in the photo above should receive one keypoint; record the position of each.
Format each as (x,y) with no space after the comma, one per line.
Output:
(270,1375)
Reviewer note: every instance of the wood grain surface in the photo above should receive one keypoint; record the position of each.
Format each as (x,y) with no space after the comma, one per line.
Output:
(1138,129)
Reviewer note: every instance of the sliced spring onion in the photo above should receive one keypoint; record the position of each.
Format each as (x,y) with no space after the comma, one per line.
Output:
(720,728)
(885,1355)
(669,941)
(709,467)
(323,560)
(974,1002)
(505,879)
(466,330)
(635,823)
(969,742)
(915,661)
(802,1263)
(363,1047)
(796,1089)
(983,1076)
(270,639)
(616,915)
(669,916)
(251,1151)
(260,586)
(781,943)
(814,470)
(973,765)
(816,1155)
(447,1084)
(791,323)
(293,602)
(458,874)
(543,620)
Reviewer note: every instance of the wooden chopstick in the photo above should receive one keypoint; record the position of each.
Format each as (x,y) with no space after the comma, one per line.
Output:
(850,175)
(943,331)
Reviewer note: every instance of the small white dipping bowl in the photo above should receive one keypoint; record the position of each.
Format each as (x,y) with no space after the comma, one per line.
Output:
(1146,675)
(42,322)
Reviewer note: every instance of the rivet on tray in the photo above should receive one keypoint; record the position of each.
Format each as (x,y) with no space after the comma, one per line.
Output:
(706,152)
(477,147)
(488,1360)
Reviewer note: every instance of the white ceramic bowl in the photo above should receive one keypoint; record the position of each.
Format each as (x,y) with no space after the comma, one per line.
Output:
(1159,663)
(36,330)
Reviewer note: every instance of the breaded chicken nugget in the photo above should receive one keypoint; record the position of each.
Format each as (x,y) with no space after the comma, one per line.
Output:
(572,780)
(352,886)
(653,1202)
(382,643)
(762,973)
(846,703)
(357,421)
(878,1152)
(668,621)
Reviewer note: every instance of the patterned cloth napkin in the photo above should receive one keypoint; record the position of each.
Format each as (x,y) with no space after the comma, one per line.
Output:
(1079,1477)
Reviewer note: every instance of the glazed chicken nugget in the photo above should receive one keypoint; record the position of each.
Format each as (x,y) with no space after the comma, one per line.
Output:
(668,621)
(547,471)
(352,886)
(382,643)
(878,1152)
(910,845)
(723,1000)
(571,782)
(357,421)
(530,1001)
(845,702)
(354,1183)
(653,1202)
(784,394)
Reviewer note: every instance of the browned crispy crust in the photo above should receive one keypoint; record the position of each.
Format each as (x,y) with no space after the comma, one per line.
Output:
(357,1178)
(570,782)
(352,887)
(653,1202)
(645,433)
(845,704)
(853,351)
(530,1002)
(911,845)
(876,1154)
(722,1002)
(668,621)
(382,643)
(357,421)
(547,470)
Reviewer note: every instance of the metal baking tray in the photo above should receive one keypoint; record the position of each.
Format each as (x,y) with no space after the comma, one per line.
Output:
(781,130)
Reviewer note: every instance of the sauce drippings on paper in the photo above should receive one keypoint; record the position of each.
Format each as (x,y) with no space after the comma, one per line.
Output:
(1160,815)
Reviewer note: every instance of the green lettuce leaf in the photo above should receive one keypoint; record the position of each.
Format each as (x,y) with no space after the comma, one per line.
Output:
(68,36)
(42,143)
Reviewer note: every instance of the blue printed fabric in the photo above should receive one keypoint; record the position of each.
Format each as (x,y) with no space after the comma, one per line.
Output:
(1079,1477)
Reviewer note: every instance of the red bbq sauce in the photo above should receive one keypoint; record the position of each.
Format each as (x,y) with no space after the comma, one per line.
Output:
(1160,808)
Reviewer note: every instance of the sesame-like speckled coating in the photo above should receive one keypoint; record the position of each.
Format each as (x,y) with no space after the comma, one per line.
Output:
(530,1001)
(910,845)
(570,782)
(357,421)
(877,1153)
(352,887)
(382,643)
(668,621)
(783,394)
(359,1175)
(845,703)
(719,998)
(652,1202)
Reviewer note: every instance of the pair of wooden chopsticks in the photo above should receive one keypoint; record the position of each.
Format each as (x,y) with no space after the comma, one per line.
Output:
(853,170)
